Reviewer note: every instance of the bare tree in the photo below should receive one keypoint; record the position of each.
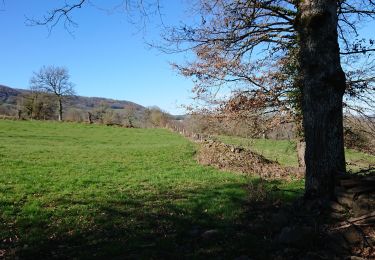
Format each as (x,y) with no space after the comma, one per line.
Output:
(54,80)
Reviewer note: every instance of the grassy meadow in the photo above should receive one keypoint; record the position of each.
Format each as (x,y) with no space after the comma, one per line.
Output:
(87,191)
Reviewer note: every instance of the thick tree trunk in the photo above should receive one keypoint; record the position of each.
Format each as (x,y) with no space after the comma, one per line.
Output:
(60,110)
(323,86)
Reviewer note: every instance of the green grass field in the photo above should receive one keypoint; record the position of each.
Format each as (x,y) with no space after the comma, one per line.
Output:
(86,191)
(284,151)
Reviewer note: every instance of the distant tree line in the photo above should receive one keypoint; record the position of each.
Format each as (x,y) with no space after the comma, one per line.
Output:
(37,105)
(51,97)
(127,116)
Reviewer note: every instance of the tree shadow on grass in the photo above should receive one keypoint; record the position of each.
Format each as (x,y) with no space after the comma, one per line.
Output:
(215,222)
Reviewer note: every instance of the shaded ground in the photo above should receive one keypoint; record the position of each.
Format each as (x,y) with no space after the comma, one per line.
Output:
(146,232)
(339,229)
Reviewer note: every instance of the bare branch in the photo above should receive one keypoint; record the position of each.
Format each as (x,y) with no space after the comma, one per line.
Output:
(55,16)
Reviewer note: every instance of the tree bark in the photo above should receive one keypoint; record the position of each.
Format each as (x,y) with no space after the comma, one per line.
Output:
(323,86)
(60,109)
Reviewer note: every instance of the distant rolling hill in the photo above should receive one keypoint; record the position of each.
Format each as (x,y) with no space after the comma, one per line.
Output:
(9,96)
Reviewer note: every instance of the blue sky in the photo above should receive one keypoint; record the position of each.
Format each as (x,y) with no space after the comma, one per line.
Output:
(107,57)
